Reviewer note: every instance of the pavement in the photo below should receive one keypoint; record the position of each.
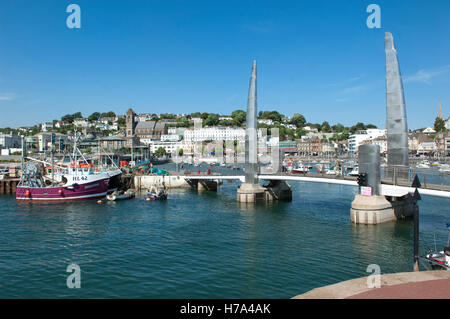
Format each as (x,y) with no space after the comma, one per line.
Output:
(433,284)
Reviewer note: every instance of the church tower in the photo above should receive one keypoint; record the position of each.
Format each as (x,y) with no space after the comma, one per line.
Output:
(131,124)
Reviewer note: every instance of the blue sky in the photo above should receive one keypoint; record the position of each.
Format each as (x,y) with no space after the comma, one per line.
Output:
(317,58)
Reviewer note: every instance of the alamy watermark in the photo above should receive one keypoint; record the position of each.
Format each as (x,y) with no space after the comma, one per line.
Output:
(74,279)
(373,20)
(73,21)
(374,280)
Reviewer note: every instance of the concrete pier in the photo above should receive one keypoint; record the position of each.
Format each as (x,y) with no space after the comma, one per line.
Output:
(251,193)
(371,208)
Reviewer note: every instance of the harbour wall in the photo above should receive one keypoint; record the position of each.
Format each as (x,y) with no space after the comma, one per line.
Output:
(171,181)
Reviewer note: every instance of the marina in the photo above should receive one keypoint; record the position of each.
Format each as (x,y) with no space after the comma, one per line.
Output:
(219,151)
(203,245)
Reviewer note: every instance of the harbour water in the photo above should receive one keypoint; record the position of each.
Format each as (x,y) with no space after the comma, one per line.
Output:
(202,245)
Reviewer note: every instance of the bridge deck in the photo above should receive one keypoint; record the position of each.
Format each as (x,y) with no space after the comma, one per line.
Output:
(401,188)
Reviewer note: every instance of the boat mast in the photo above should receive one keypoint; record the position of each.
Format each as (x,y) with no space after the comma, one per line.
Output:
(75,151)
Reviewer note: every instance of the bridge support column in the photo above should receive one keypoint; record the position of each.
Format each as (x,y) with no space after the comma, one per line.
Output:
(369,207)
(251,193)
(371,210)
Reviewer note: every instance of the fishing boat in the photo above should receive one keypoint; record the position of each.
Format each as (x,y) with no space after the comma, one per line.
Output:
(121,195)
(75,185)
(79,181)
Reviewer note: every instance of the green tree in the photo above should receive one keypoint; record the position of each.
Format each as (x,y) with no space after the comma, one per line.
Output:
(300,132)
(196,115)
(77,115)
(108,114)
(183,122)
(325,127)
(161,151)
(298,120)
(121,122)
(439,125)
(212,119)
(94,117)
(338,128)
(273,115)
(238,117)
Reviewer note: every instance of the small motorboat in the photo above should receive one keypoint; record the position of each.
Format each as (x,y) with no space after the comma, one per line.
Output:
(440,260)
(354,171)
(120,195)
(300,169)
(161,195)
(423,164)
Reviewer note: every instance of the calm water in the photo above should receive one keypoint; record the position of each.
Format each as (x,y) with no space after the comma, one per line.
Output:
(202,245)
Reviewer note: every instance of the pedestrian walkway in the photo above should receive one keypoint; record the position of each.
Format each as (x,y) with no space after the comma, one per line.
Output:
(433,284)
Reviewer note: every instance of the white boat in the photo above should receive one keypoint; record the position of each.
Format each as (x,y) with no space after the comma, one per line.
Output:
(120,195)
(423,165)
(440,259)
(300,169)
(331,172)
(354,171)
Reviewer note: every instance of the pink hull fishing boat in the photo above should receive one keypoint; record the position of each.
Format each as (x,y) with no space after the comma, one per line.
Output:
(95,189)
(79,181)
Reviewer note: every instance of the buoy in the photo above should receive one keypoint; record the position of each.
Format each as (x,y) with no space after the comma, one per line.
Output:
(99,202)
(60,191)
(27,193)
(148,199)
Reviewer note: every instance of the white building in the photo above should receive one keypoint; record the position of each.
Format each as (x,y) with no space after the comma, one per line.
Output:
(143,117)
(319,135)
(265,121)
(291,126)
(10,141)
(426,148)
(310,129)
(381,141)
(170,138)
(447,146)
(355,140)
(447,123)
(46,126)
(170,147)
(429,130)
(81,122)
(215,133)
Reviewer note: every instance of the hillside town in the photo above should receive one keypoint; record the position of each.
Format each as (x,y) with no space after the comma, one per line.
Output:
(169,134)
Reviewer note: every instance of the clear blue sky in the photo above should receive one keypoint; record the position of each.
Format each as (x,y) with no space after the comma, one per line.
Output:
(317,58)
